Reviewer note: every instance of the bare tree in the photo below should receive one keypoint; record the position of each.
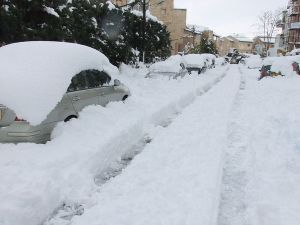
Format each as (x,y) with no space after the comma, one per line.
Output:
(267,22)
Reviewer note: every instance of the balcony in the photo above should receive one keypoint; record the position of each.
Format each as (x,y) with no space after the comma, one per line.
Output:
(295,10)
(295,26)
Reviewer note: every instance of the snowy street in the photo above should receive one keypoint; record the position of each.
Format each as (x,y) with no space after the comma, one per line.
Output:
(216,148)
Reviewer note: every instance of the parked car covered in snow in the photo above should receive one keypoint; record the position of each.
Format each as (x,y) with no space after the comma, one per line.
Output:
(283,66)
(172,67)
(199,62)
(43,83)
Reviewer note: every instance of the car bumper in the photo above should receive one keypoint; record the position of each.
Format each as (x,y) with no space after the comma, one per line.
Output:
(19,132)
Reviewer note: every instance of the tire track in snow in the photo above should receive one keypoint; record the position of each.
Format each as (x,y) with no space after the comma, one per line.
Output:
(233,204)
(64,213)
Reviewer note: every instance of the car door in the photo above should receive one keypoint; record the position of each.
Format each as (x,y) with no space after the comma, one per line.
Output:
(82,92)
(107,91)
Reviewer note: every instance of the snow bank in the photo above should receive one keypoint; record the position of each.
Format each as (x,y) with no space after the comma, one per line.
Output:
(253,62)
(172,65)
(35,75)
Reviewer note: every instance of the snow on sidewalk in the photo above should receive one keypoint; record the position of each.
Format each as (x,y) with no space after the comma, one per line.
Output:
(176,179)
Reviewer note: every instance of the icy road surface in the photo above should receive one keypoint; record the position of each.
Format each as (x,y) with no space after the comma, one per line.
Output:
(216,149)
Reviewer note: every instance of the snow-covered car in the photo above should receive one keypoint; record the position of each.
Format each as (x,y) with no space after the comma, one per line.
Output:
(43,83)
(284,66)
(172,67)
(199,62)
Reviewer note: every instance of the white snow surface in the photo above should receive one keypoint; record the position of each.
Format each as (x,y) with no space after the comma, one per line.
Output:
(38,179)
(149,16)
(253,61)
(51,11)
(230,156)
(110,5)
(199,60)
(35,75)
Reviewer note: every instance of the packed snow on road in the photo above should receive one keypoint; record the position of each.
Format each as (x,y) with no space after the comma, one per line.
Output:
(216,148)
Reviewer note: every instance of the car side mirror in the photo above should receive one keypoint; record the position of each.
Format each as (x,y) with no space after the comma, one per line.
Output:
(182,65)
(117,82)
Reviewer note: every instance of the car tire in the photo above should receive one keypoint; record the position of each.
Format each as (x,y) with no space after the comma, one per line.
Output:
(124,97)
(69,118)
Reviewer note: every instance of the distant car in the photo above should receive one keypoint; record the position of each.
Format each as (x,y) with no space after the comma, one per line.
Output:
(199,62)
(92,85)
(172,67)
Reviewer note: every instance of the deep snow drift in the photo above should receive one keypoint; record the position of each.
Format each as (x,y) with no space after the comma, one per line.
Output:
(37,179)
(230,156)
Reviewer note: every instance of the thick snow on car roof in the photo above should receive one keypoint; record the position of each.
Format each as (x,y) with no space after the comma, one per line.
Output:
(171,64)
(35,75)
(282,64)
(198,59)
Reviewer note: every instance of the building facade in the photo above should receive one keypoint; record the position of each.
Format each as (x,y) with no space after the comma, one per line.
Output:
(241,43)
(293,38)
(174,19)
(119,2)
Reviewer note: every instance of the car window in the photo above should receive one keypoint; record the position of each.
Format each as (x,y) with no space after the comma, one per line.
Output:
(97,78)
(78,82)
(89,79)
(103,78)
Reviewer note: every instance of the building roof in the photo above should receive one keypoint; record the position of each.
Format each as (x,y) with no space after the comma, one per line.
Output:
(241,38)
(272,40)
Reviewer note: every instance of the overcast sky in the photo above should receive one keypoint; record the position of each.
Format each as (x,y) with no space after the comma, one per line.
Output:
(228,16)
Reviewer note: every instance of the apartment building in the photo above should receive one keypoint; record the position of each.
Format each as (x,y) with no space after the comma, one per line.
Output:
(293,38)
(174,19)
(236,41)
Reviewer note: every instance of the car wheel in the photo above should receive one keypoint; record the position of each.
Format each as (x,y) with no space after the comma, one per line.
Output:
(124,98)
(69,118)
